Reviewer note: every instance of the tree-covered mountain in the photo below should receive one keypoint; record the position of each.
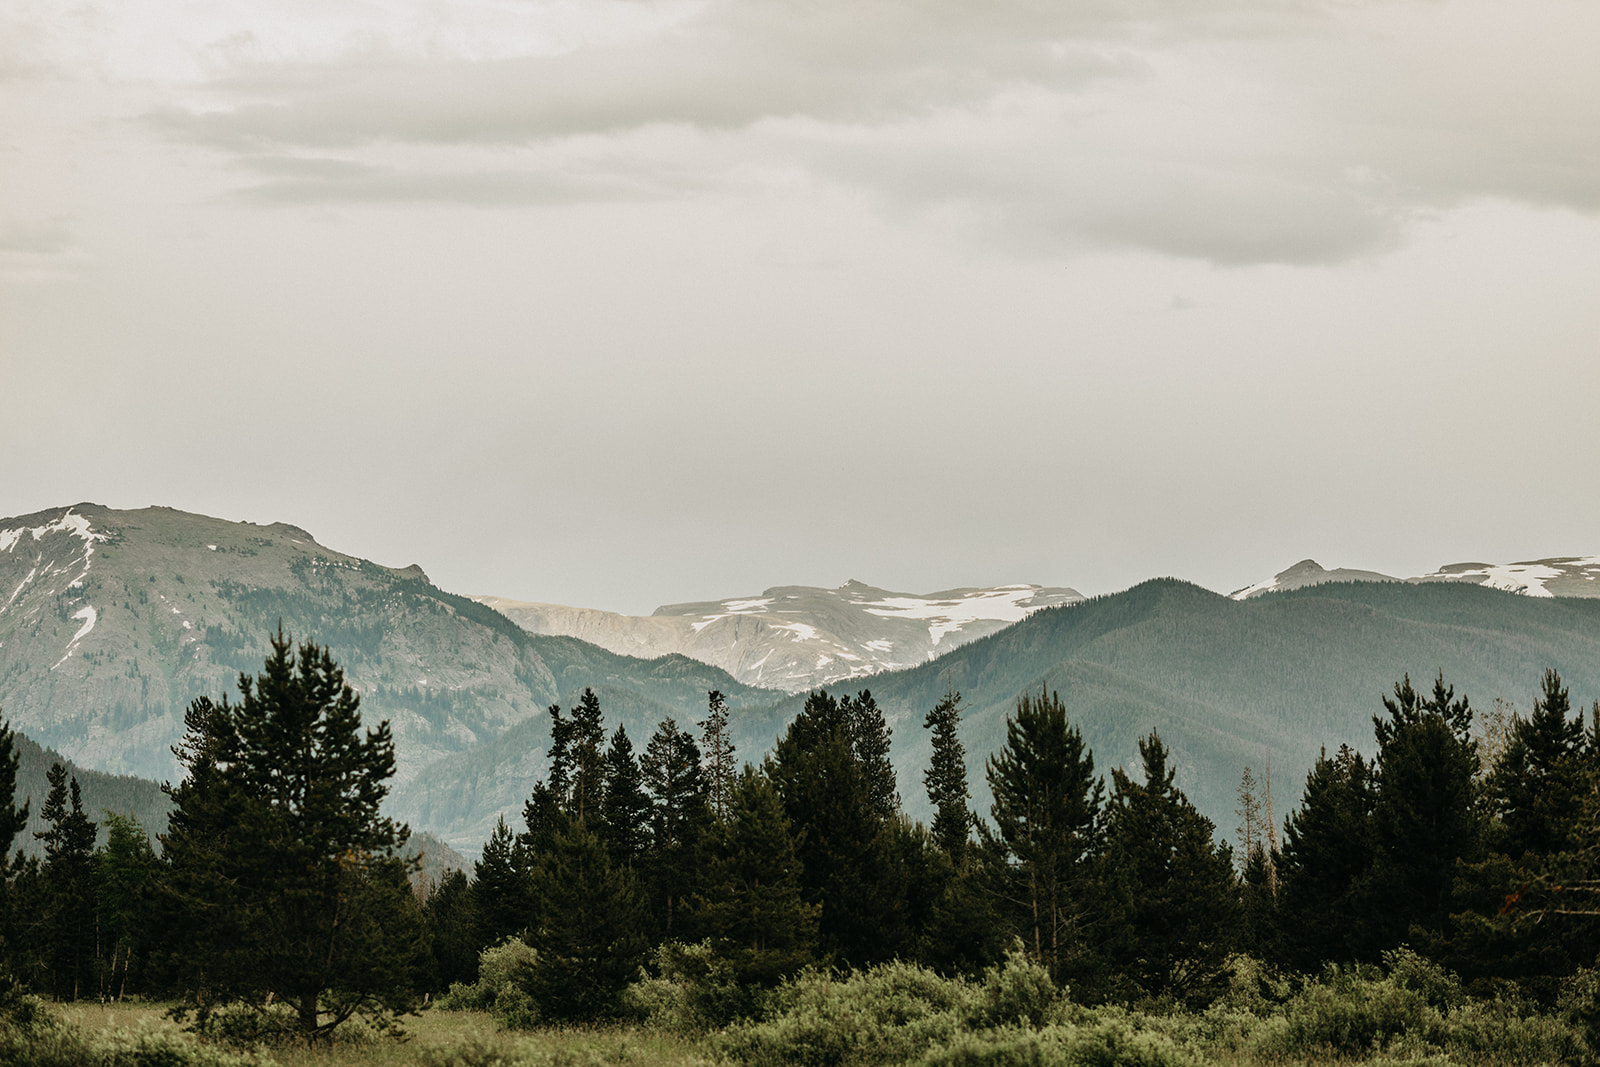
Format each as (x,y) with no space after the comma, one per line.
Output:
(1231,684)
(113,621)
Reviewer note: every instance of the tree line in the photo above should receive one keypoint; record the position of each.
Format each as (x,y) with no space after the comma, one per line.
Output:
(279,885)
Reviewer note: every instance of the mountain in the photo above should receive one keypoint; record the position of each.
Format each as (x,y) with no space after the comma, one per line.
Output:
(111,622)
(1564,576)
(1231,683)
(1307,572)
(797,637)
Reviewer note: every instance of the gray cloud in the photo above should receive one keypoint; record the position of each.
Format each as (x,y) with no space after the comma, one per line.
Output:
(44,237)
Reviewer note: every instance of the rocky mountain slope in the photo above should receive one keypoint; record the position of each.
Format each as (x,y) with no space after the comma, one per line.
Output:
(797,637)
(112,621)
(1566,576)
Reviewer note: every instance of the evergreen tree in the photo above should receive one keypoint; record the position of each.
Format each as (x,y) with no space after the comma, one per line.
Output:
(502,892)
(1047,815)
(946,778)
(1173,907)
(625,811)
(287,875)
(1537,785)
(588,740)
(452,931)
(1425,817)
(589,937)
(716,745)
(750,901)
(843,859)
(69,864)
(13,820)
(869,741)
(124,883)
(679,816)
(1327,854)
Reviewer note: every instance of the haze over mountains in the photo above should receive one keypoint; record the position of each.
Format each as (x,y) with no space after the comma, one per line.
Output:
(111,621)
(799,637)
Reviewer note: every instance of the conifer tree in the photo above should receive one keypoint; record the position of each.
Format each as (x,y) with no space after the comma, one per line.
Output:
(69,863)
(1425,817)
(1327,854)
(589,936)
(1047,815)
(1537,785)
(124,884)
(946,778)
(679,816)
(840,833)
(1173,907)
(750,901)
(284,871)
(588,740)
(452,931)
(716,746)
(502,892)
(625,811)
(869,741)
(13,820)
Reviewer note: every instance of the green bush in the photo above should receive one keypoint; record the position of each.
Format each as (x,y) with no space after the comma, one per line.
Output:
(1017,991)
(501,988)
(1107,1044)
(693,989)
(1359,1010)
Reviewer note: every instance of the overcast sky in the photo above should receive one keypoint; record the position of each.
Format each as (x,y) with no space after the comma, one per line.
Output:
(619,303)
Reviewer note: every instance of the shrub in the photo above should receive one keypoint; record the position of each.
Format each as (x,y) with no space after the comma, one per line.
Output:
(1017,991)
(693,990)
(1358,1010)
(501,986)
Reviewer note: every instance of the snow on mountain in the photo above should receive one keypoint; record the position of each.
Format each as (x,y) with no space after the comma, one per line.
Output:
(1559,576)
(1572,576)
(1307,572)
(798,637)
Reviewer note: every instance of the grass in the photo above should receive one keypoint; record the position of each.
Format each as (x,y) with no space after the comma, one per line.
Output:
(437,1039)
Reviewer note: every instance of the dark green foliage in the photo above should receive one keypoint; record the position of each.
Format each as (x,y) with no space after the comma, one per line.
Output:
(125,879)
(844,863)
(946,778)
(282,867)
(1047,816)
(1425,818)
(679,817)
(69,864)
(589,939)
(750,902)
(13,817)
(587,759)
(450,918)
(1538,783)
(501,894)
(869,741)
(624,822)
(1327,854)
(716,745)
(1172,909)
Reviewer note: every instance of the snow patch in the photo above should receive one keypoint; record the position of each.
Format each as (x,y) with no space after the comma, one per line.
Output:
(801,631)
(703,623)
(1251,590)
(212,547)
(89,617)
(745,607)
(1525,578)
(948,616)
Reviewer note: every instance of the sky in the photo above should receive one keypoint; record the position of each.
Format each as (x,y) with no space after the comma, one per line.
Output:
(619,303)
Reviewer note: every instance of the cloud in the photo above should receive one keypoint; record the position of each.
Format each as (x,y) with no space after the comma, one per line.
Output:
(1258,131)
(47,237)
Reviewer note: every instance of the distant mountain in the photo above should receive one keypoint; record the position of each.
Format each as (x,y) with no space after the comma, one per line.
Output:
(798,637)
(1307,572)
(112,621)
(1563,576)
(1230,683)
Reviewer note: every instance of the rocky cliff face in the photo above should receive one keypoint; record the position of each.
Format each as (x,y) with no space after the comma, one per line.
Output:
(799,637)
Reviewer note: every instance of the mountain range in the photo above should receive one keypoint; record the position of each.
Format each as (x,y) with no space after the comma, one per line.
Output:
(1563,576)
(113,620)
(798,637)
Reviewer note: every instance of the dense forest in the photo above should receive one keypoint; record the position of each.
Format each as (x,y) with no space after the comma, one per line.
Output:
(674,880)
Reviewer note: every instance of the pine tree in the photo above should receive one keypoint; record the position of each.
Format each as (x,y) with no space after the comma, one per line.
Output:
(502,891)
(750,901)
(124,883)
(284,870)
(1537,785)
(625,812)
(869,741)
(1047,815)
(1425,818)
(13,820)
(452,931)
(589,937)
(1327,854)
(840,834)
(717,748)
(946,778)
(1173,905)
(69,863)
(587,758)
(679,816)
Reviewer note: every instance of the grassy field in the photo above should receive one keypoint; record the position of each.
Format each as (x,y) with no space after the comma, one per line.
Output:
(436,1039)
